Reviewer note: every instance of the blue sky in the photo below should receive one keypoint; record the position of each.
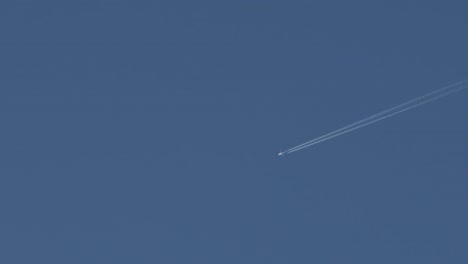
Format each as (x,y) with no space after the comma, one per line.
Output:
(148,132)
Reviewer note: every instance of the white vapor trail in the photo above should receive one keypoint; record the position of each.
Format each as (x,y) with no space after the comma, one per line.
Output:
(383,115)
(395,108)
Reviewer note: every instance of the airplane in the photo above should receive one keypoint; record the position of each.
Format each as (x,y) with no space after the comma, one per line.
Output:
(281,154)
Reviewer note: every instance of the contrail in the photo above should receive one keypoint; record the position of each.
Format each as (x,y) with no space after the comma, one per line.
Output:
(395,108)
(383,115)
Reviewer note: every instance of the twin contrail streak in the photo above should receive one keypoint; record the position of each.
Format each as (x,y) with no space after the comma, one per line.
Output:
(432,96)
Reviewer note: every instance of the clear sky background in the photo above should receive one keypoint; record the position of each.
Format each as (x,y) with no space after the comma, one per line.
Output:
(148,132)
